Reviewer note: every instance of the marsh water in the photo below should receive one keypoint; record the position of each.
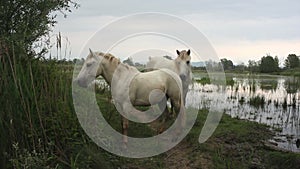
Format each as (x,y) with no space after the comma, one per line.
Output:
(271,100)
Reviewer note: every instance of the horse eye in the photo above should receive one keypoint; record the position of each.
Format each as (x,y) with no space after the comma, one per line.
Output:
(88,64)
(187,62)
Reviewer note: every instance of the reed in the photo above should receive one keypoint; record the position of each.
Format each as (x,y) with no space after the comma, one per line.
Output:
(257,101)
(36,115)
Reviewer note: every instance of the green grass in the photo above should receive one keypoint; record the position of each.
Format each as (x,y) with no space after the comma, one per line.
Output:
(38,125)
(291,72)
(238,144)
(203,80)
(278,160)
(203,77)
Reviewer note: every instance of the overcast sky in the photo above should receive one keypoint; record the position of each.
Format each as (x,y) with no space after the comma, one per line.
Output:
(238,30)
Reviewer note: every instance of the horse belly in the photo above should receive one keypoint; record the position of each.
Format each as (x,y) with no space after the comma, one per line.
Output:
(142,89)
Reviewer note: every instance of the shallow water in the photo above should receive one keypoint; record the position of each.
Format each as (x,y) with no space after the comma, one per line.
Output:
(277,103)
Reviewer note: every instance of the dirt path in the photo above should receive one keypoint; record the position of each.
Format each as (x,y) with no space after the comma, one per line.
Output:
(181,157)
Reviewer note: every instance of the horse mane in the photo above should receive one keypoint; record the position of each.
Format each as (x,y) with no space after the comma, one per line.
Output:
(111,58)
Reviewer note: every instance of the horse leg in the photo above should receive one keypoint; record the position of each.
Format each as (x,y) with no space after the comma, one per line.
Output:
(168,114)
(125,123)
(185,89)
(163,106)
(165,116)
(180,111)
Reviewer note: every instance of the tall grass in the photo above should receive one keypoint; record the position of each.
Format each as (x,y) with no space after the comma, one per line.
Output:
(36,115)
(257,101)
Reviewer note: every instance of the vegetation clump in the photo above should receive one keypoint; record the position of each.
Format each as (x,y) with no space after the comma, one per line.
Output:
(257,101)
(203,80)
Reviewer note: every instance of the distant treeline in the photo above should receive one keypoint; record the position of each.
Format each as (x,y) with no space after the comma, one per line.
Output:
(267,64)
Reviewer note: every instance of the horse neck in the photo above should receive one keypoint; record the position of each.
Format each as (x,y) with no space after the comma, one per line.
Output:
(176,66)
(108,73)
(122,69)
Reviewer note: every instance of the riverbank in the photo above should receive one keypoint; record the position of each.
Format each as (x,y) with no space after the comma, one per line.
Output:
(283,72)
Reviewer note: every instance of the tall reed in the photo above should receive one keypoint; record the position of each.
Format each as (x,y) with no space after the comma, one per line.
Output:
(36,109)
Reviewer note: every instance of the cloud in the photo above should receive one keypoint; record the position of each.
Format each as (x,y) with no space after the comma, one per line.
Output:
(229,8)
(250,29)
(242,51)
(237,29)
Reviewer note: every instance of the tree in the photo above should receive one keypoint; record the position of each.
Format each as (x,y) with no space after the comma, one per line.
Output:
(276,62)
(211,65)
(240,67)
(227,64)
(129,61)
(253,66)
(23,22)
(268,64)
(292,61)
(26,83)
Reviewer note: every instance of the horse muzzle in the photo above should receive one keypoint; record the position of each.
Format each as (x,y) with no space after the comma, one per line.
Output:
(183,77)
(81,82)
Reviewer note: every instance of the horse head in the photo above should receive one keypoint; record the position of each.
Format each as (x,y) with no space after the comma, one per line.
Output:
(97,64)
(90,69)
(183,62)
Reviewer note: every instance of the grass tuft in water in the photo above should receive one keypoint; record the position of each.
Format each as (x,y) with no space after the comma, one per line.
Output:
(257,101)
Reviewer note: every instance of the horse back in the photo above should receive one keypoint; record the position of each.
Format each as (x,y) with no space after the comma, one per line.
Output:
(155,63)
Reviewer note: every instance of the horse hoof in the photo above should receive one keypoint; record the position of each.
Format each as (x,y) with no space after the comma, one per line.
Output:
(160,130)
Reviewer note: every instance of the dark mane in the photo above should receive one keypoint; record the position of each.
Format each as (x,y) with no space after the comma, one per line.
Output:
(110,57)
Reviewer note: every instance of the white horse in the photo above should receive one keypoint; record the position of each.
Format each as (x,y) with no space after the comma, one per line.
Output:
(125,79)
(181,66)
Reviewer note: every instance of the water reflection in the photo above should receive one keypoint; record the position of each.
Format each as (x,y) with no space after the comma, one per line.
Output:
(271,100)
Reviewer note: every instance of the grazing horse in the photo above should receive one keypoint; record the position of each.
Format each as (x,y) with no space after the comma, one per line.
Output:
(181,66)
(130,87)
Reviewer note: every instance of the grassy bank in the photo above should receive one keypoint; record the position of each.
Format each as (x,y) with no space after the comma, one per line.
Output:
(284,72)
(291,72)
(239,144)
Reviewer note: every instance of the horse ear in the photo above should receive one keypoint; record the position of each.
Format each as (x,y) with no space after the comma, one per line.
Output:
(91,52)
(188,52)
(178,53)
